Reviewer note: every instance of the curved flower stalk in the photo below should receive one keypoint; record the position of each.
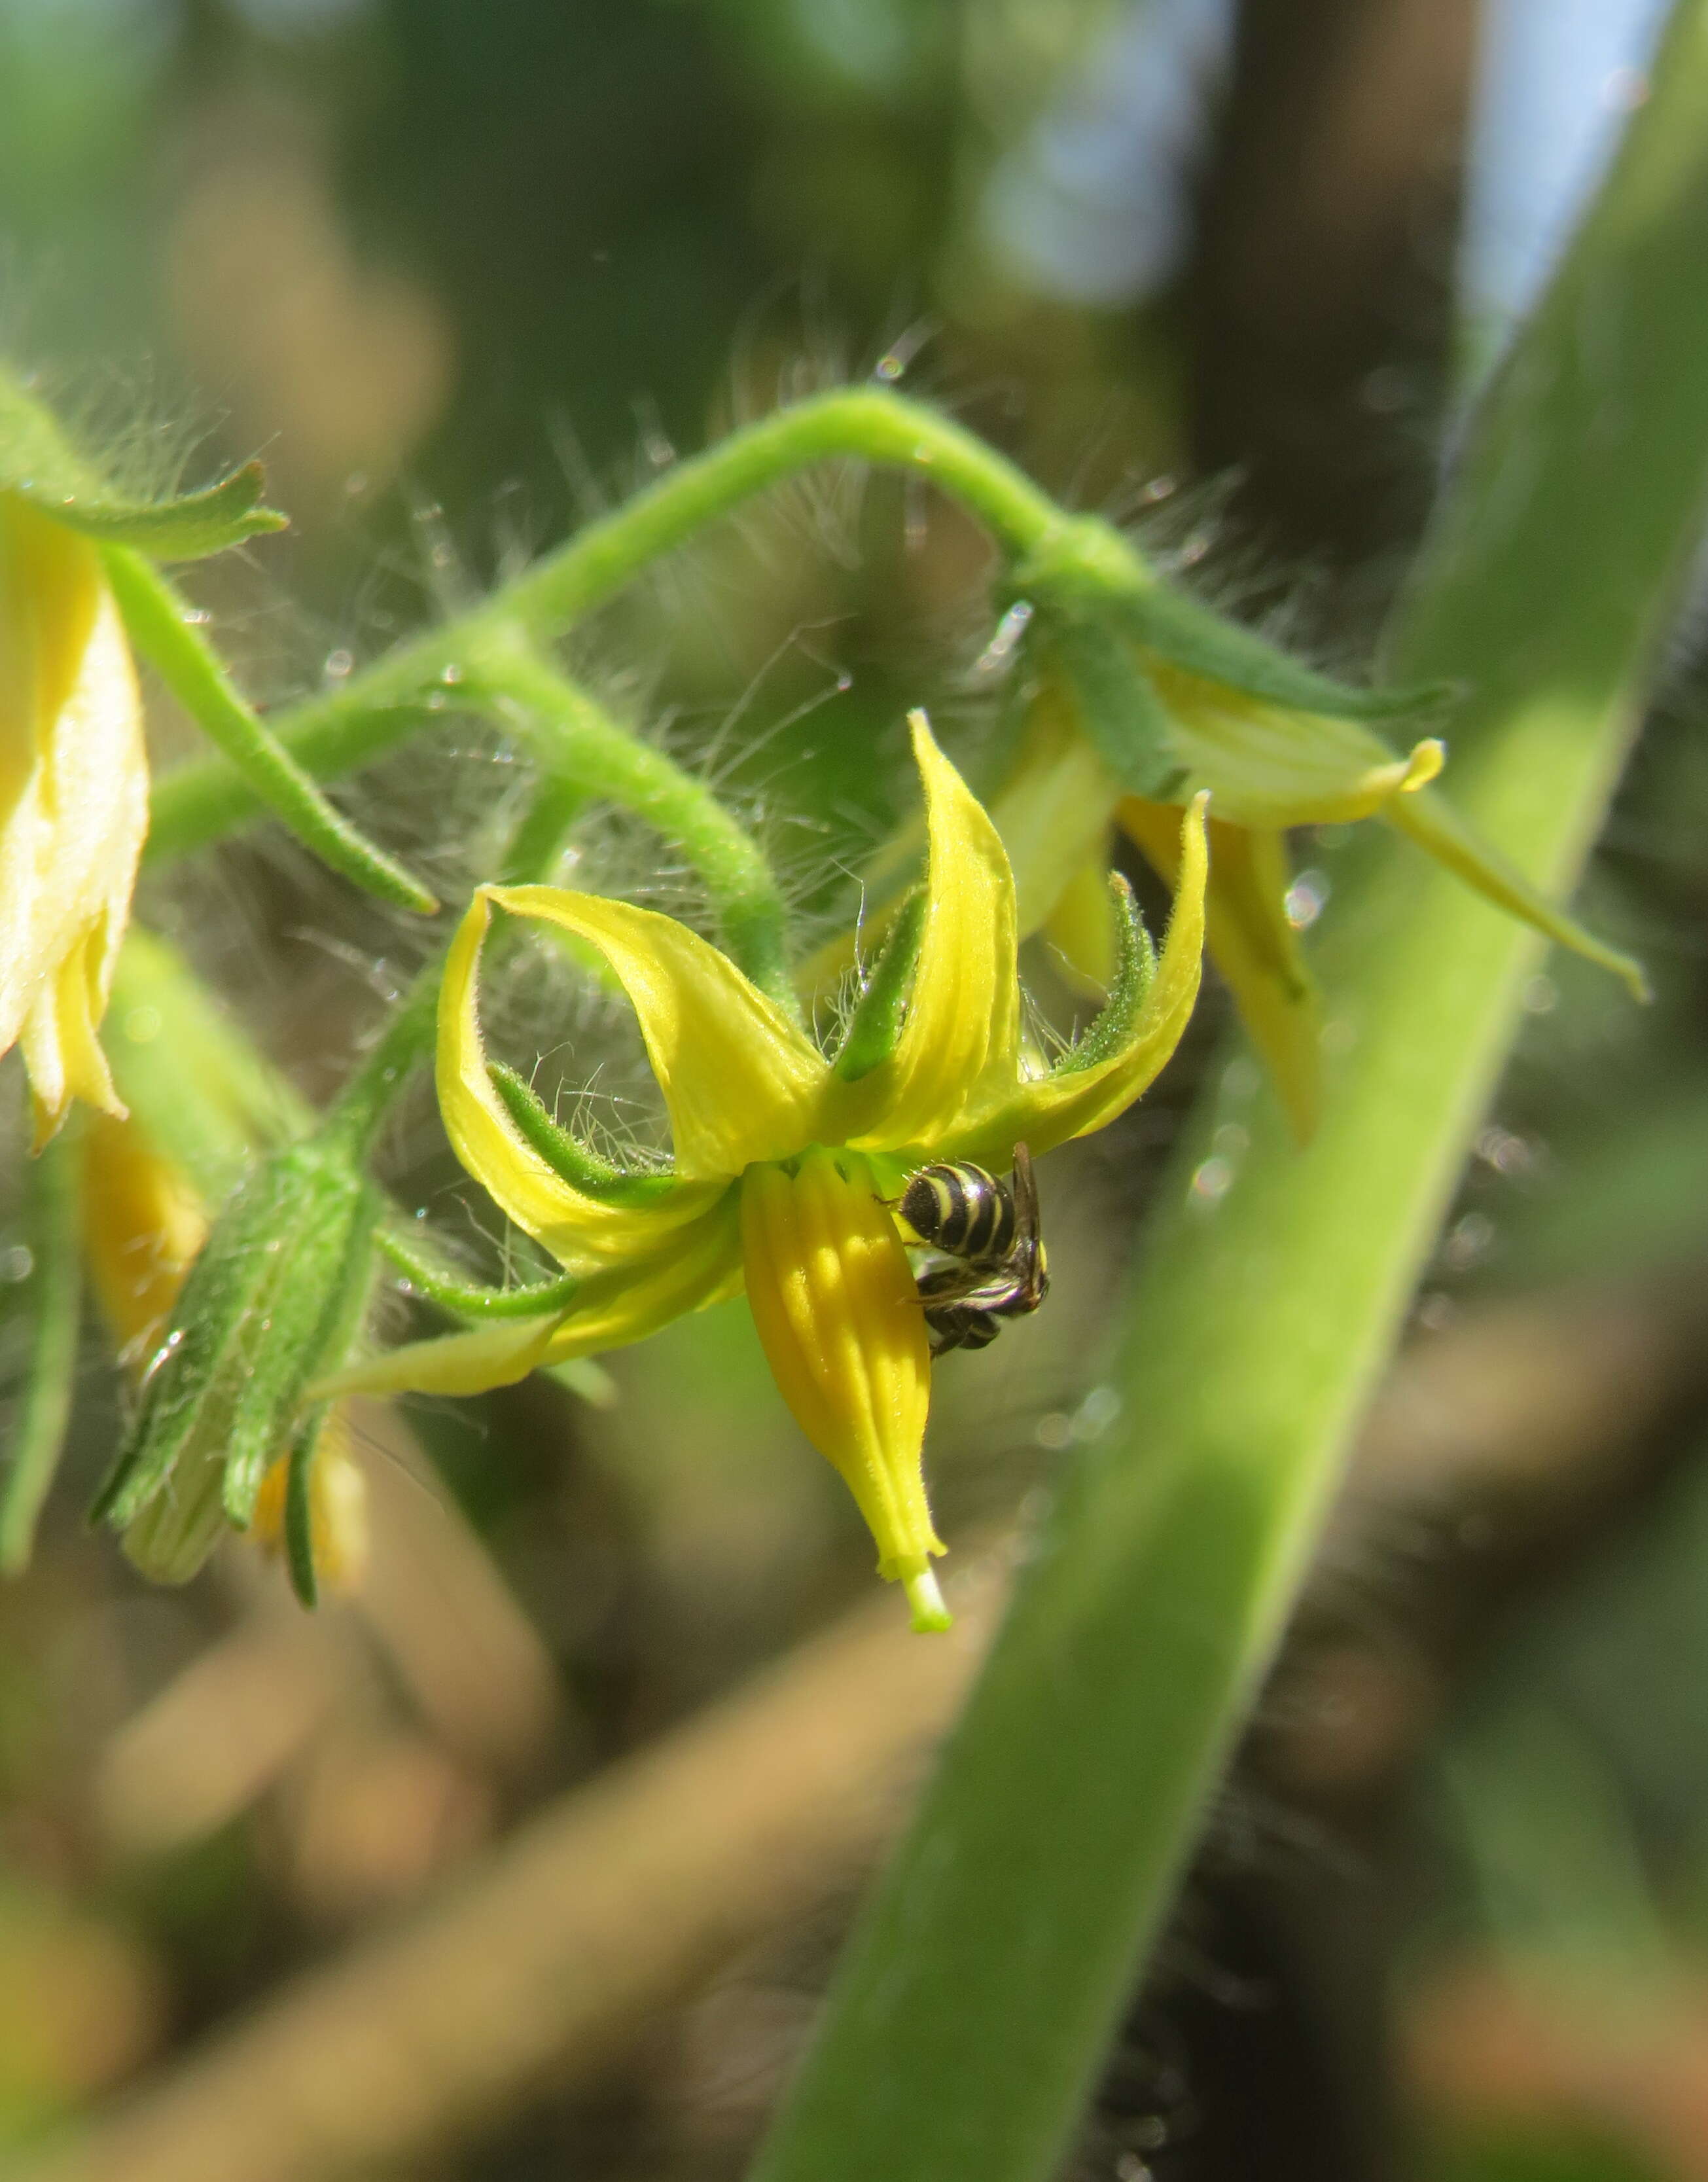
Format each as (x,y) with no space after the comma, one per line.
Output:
(73,806)
(788,1162)
(1269,765)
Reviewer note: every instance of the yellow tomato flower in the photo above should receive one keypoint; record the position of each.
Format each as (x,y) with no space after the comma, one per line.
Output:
(1268,767)
(787,1163)
(73,806)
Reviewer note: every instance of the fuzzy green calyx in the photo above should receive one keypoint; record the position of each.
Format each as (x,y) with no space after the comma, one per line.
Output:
(1086,572)
(273,1301)
(38,463)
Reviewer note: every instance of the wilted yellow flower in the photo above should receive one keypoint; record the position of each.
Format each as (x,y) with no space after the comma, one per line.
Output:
(73,806)
(787,1163)
(1268,766)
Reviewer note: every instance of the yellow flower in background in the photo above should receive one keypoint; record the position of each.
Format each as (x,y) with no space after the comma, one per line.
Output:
(144,1224)
(73,806)
(786,1162)
(1268,766)
(337,1506)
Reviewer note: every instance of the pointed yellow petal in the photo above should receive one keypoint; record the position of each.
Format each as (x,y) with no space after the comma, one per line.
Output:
(576,1227)
(1252,945)
(740,1082)
(62,1052)
(73,806)
(621,1304)
(1431,821)
(833,1297)
(962,1030)
(1269,766)
(1075,1102)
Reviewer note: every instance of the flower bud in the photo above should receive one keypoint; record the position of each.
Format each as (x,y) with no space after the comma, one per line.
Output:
(272,1301)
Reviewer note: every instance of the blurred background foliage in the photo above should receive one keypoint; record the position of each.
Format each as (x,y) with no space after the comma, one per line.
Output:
(462,273)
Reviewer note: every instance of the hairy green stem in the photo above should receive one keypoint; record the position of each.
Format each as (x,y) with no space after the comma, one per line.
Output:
(55,1294)
(405,1040)
(155,620)
(977,1998)
(582,747)
(336,733)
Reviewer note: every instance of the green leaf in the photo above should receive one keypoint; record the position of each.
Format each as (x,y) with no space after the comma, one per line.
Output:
(54,1215)
(188,527)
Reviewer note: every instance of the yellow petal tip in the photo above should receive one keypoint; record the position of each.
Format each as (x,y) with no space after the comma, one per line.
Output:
(925,1601)
(1423,766)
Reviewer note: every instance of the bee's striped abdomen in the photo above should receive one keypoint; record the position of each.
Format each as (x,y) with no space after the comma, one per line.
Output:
(959,1209)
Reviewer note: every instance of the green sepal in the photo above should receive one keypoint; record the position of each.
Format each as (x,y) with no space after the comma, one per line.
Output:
(1112,1027)
(53,1186)
(298,1526)
(40,465)
(875,1024)
(271,1302)
(1086,571)
(469,1298)
(1120,711)
(1177,629)
(157,623)
(565,1153)
(187,528)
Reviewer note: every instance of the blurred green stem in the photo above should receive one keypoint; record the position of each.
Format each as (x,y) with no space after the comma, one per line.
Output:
(979,1994)
(55,1294)
(389,702)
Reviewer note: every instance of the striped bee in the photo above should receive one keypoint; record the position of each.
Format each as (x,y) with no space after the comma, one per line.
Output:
(989,1229)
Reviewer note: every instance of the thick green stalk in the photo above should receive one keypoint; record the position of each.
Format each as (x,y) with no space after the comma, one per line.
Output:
(979,1994)
(378,708)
